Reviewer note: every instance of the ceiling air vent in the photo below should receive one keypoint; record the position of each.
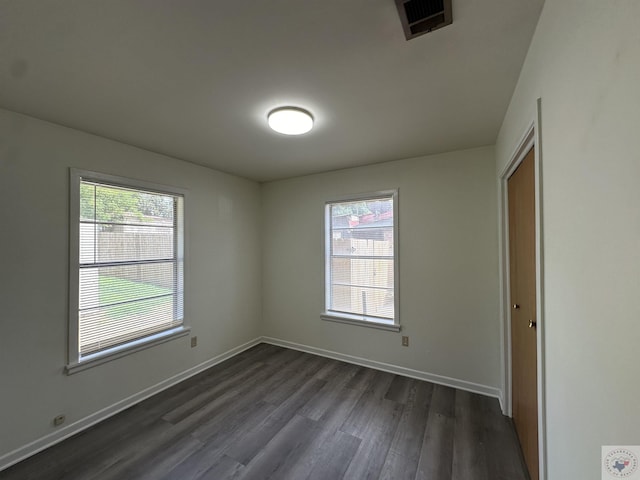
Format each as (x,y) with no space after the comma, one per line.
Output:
(422,16)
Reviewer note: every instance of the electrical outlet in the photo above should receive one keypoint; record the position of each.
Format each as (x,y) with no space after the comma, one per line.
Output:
(405,341)
(59,420)
(194,342)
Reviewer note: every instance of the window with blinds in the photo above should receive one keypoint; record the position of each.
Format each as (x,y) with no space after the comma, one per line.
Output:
(361,259)
(129,264)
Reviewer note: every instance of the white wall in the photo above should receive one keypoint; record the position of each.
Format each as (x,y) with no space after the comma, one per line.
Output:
(584,62)
(448,264)
(223,282)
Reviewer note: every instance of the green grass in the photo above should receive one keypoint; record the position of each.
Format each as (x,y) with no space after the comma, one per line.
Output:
(116,290)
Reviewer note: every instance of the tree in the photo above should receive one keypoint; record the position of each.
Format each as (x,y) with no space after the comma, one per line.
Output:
(352,208)
(156,205)
(115,204)
(108,204)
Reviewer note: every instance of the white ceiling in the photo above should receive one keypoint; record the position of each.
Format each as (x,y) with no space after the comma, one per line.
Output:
(194,79)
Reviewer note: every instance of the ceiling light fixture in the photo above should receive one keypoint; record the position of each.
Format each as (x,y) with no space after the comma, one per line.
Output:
(290,120)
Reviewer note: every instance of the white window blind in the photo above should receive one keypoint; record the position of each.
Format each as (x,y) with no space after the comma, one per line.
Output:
(130,269)
(361,259)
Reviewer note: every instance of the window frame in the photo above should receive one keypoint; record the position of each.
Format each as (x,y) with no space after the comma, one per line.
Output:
(355,319)
(76,362)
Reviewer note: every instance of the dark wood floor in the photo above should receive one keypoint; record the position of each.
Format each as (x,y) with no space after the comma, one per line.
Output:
(276,413)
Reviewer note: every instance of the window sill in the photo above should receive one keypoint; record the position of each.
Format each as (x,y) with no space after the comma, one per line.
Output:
(105,356)
(361,321)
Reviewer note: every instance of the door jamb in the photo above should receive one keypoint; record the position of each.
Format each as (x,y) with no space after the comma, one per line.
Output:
(530,139)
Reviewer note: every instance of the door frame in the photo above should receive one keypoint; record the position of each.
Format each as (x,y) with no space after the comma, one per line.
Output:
(530,139)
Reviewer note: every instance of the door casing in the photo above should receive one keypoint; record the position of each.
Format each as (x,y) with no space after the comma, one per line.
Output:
(530,139)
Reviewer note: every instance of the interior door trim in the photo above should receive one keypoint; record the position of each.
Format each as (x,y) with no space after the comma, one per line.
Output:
(530,139)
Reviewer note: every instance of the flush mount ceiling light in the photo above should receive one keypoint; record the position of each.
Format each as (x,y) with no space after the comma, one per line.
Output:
(290,120)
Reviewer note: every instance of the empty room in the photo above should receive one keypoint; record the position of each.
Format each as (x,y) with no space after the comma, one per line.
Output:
(381,239)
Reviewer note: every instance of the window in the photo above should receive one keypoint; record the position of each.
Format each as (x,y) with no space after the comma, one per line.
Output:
(127,267)
(361,260)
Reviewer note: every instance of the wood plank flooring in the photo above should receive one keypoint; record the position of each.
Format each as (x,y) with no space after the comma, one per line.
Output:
(275,413)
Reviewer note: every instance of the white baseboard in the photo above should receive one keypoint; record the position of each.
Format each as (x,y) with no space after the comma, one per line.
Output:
(387,367)
(502,403)
(47,441)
